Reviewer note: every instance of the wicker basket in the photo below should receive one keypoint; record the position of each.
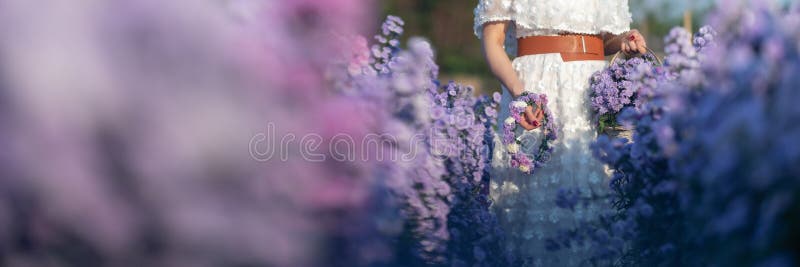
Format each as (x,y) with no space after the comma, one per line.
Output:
(618,132)
(649,51)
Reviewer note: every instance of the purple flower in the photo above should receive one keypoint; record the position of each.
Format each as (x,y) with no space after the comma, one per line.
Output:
(437,112)
(497,97)
(491,112)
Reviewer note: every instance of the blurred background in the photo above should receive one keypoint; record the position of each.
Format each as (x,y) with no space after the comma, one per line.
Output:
(448,25)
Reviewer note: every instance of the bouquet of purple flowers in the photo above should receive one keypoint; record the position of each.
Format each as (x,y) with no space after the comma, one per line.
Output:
(615,87)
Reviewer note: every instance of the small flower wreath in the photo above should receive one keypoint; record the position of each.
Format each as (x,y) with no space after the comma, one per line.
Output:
(511,138)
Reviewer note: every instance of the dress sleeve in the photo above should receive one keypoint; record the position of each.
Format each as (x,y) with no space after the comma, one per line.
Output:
(617,19)
(491,10)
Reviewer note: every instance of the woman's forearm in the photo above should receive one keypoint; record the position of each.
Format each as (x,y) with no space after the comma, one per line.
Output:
(612,43)
(493,38)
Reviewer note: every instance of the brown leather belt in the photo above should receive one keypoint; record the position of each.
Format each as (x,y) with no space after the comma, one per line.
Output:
(571,47)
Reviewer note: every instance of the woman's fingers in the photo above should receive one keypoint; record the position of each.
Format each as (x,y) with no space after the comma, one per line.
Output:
(641,43)
(633,43)
(634,47)
(534,116)
(530,115)
(539,115)
(529,119)
(527,126)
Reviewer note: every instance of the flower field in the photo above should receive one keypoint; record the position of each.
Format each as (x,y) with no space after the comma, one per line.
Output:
(283,133)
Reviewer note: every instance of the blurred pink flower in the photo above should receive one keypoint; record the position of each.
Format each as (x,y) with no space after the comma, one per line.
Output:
(126,128)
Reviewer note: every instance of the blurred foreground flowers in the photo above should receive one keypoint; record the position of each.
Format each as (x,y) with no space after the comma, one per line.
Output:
(140,133)
(125,129)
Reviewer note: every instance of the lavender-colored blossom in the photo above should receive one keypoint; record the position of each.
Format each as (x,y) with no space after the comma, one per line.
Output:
(475,236)
(445,204)
(620,85)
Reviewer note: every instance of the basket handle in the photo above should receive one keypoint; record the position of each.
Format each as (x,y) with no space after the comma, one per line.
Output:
(649,51)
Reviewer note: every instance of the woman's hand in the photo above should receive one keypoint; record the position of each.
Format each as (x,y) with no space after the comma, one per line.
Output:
(633,43)
(630,42)
(532,119)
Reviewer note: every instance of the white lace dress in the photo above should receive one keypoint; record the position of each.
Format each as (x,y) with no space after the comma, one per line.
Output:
(525,204)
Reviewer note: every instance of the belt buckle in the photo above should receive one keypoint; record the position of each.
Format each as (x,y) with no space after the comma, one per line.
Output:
(583,44)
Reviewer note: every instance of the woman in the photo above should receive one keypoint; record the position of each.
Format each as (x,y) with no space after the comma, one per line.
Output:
(560,45)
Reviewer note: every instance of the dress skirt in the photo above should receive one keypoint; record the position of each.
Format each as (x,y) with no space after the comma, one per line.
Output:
(525,203)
